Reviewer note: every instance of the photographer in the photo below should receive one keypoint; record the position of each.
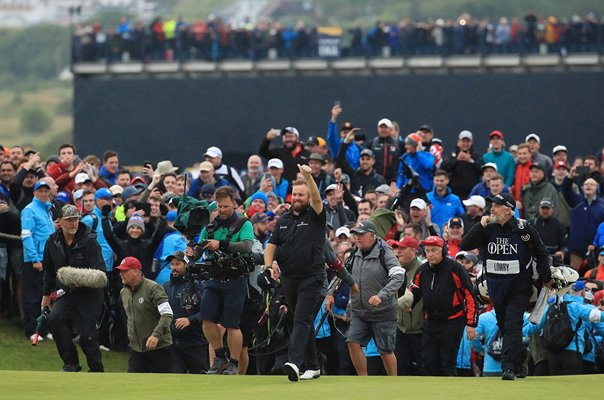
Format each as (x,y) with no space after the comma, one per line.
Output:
(418,160)
(224,293)
(189,346)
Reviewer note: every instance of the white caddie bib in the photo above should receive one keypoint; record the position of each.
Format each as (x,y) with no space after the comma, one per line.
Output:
(503,267)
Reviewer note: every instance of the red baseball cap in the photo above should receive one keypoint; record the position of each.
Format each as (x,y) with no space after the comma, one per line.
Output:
(561,164)
(433,241)
(129,263)
(496,134)
(598,296)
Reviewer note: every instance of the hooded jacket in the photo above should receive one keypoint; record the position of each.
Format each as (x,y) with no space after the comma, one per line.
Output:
(533,193)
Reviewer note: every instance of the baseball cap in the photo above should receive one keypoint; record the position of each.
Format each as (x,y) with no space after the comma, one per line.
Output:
(364,227)
(317,157)
(207,189)
(259,217)
(489,165)
(343,230)
(206,166)
(418,203)
(367,152)
(536,165)
(331,187)
(290,129)
(475,200)
(561,164)
(407,241)
(546,203)
(465,134)
(82,177)
(559,148)
(437,141)
(346,127)
(468,256)
(178,255)
(317,141)
(77,195)
(433,241)
(130,191)
(41,184)
(213,152)
(382,189)
(275,163)
(413,139)
(385,121)
(578,286)
(496,134)
(425,127)
(129,263)
(598,296)
(533,136)
(116,189)
(69,211)
(103,193)
(63,197)
(455,221)
(503,199)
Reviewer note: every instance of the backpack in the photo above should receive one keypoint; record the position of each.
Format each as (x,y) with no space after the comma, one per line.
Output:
(558,331)
(495,349)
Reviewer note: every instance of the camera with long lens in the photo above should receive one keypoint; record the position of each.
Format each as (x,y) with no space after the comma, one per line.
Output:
(221,265)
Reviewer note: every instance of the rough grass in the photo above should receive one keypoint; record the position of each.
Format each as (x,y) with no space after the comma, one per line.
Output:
(17,353)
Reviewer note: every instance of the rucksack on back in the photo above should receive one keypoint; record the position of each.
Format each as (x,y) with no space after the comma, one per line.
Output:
(558,331)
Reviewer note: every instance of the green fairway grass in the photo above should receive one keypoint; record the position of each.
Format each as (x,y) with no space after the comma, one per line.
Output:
(64,386)
(17,353)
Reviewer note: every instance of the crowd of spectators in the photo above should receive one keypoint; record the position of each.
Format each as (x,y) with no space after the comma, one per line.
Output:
(408,185)
(168,38)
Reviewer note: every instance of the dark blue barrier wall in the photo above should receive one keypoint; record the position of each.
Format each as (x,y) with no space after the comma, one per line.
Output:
(178,119)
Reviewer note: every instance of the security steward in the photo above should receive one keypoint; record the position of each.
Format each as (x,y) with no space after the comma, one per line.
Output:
(380,276)
(189,346)
(228,236)
(74,266)
(149,319)
(510,246)
(449,305)
(297,244)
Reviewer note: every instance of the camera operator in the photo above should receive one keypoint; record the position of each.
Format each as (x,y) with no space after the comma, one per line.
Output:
(189,346)
(73,262)
(224,293)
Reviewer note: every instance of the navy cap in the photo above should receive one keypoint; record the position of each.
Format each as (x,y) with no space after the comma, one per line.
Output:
(503,199)
(103,193)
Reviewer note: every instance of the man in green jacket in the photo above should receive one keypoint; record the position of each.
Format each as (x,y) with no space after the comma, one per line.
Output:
(536,190)
(408,347)
(149,318)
